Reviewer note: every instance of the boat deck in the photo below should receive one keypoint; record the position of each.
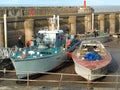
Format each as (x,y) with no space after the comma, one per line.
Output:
(92,64)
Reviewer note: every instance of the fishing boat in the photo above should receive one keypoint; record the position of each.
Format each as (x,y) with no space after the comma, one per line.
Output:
(91,60)
(102,36)
(95,34)
(92,34)
(42,57)
(46,54)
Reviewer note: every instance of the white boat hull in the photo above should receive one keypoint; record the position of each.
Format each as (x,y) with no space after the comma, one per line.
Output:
(90,74)
(38,65)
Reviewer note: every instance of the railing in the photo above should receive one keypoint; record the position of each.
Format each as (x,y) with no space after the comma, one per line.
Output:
(63,80)
(41,11)
(5,52)
(25,11)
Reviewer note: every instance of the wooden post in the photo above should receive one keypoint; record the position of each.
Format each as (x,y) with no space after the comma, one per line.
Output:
(1,34)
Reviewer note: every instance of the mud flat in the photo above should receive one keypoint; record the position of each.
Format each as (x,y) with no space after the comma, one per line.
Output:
(65,77)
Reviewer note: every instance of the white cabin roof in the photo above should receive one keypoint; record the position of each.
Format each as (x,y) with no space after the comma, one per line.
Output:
(50,32)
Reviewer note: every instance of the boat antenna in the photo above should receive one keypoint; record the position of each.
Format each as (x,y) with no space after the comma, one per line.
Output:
(53,21)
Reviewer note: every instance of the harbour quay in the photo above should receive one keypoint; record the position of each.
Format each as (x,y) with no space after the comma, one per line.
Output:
(65,78)
(78,20)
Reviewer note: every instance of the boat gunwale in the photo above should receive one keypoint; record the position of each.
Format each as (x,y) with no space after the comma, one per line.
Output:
(92,61)
(42,57)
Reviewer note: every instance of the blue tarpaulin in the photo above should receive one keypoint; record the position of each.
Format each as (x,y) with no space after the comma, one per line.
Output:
(92,56)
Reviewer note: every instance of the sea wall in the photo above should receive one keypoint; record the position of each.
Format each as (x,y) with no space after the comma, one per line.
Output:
(38,17)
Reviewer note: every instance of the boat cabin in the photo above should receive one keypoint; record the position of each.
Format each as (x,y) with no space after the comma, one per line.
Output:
(53,38)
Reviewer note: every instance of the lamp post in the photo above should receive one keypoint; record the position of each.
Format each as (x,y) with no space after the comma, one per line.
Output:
(5,30)
(119,24)
(92,21)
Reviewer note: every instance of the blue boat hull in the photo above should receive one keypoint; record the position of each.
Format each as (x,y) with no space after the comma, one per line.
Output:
(38,65)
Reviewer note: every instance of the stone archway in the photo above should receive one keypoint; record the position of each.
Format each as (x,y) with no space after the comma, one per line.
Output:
(80,28)
(107,26)
(65,28)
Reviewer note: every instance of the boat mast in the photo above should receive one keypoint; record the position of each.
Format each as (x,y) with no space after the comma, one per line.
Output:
(53,21)
(58,23)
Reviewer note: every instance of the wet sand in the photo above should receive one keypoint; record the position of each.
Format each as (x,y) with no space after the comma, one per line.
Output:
(70,82)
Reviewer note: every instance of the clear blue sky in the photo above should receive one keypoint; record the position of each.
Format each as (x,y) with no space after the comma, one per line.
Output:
(57,2)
